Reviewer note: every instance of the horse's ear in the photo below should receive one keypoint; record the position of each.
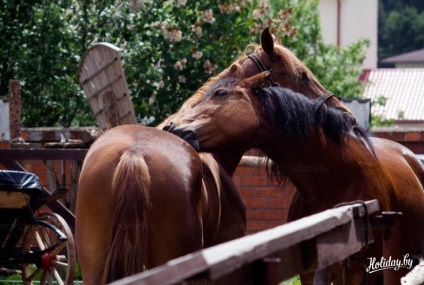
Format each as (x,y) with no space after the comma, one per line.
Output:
(258,80)
(267,42)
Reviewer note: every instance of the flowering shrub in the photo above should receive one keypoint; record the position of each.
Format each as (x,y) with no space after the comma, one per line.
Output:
(175,46)
(170,47)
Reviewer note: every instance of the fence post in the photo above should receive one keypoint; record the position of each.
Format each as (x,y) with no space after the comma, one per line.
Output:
(15,109)
(266,271)
(391,246)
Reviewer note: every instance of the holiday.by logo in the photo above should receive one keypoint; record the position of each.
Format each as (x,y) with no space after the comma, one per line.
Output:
(390,263)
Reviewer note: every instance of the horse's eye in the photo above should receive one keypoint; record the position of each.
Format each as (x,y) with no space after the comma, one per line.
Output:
(220,93)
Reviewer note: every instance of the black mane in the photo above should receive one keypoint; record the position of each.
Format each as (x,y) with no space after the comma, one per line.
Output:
(298,116)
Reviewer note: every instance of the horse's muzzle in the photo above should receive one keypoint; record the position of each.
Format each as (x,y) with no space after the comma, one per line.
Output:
(186,134)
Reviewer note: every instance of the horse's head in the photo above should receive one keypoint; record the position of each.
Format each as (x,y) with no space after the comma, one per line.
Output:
(226,116)
(287,71)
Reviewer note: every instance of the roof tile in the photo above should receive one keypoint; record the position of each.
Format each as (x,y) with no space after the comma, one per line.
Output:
(402,87)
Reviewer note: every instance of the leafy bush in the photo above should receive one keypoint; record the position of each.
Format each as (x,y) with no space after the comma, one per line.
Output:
(170,49)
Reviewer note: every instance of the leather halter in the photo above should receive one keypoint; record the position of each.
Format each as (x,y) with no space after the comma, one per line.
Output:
(262,68)
(272,82)
(327,96)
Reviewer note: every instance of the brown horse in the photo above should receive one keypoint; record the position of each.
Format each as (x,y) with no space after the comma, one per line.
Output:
(145,197)
(97,203)
(321,149)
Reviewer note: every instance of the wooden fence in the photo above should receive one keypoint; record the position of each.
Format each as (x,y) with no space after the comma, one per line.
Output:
(11,158)
(268,257)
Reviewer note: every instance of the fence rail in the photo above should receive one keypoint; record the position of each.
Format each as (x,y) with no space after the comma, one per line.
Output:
(271,256)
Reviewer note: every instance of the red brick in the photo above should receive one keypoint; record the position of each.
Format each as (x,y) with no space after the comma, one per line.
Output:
(246,191)
(243,170)
(269,191)
(256,226)
(269,214)
(255,180)
(279,203)
(256,202)
(274,223)
(384,135)
(250,214)
(4,145)
(413,136)
(398,136)
(236,179)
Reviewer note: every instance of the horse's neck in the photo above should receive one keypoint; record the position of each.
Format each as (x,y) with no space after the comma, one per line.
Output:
(324,173)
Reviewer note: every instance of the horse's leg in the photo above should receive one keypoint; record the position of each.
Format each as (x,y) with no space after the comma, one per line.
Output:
(93,223)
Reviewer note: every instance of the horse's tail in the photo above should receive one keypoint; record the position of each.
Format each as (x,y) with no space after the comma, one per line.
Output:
(129,221)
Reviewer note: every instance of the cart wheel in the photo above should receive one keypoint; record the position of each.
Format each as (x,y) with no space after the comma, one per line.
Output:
(58,266)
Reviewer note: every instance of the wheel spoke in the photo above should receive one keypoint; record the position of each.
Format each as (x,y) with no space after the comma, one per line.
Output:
(39,241)
(59,249)
(49,278)
(58,278)
(62,257)
(31,277)
(46,236)
(43,278)
(59,263)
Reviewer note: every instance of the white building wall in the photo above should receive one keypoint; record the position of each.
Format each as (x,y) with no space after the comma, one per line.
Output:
(4,121)
(358,19)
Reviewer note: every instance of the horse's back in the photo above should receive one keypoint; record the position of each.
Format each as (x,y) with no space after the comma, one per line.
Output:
(174,226)
(400,164)
(405,175)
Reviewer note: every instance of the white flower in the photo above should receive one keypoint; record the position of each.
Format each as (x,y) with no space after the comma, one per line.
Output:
(181,64)
(152,98)
(159,85)
(197,54)
(197,30)
(137,5)
(147,120)
(208,16)
(182,79)
(236,8)
(261,11)
(224,8)
(181,3)
(173,35)
(209,67)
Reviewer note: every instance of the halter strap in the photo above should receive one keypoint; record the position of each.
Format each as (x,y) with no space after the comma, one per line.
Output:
(271,81)
(327,96)
(262,67)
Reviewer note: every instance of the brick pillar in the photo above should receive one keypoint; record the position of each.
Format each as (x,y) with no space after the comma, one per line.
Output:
(15,109)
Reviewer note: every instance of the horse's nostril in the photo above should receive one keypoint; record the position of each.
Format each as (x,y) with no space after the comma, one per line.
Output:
(169,127)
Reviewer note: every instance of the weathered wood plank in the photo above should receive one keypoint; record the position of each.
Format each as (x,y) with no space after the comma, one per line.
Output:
(221,260)
(101,72)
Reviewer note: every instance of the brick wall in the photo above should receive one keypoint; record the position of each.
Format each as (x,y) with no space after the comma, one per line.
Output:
(411,138)
(267,204)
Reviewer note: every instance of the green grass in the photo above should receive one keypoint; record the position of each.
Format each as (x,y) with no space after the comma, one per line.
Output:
(292,281)
(17,278)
